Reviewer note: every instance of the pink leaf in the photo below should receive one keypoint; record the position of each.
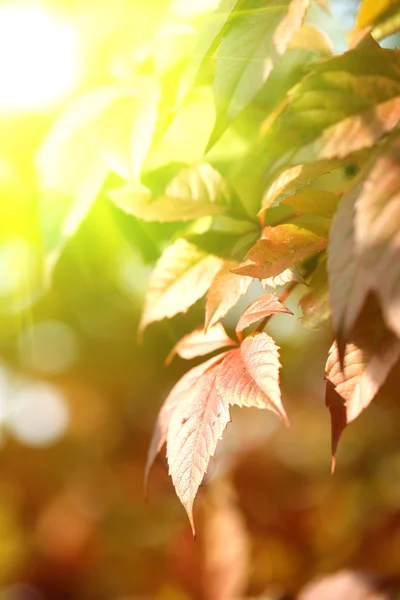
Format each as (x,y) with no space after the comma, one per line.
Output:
(199,342)
(177,395)
(224,292)
(194,430)
(264,306)
(236,385)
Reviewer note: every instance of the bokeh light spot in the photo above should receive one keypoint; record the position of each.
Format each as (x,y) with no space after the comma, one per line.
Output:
(38,414)
(49,346)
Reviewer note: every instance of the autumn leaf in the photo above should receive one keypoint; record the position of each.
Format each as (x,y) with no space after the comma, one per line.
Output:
(309,37)
(194,430)
(177,395)
(236,384)
(324,5)
(200,342)
(226,565)
(347,288)
(256,36)
(224,293)
(196,192)
(279,249)
(292,179)
(314,202)
(339,108)
(377,232)
(368,357)
(264,306)
(181,276)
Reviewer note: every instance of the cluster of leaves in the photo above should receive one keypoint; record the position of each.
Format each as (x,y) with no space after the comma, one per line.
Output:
(268,211)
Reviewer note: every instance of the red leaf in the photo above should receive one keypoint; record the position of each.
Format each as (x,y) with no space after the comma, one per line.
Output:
(199,342)
(281,247)
(177,395)
(235,383)
(224,292)
(194,430)
(264,306)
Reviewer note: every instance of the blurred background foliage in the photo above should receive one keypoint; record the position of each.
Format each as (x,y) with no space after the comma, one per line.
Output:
(79,396)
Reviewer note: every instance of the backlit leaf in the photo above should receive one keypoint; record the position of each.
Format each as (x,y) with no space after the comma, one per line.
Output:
(264,306)
(382,18)
(194,430)
(197,191)
(177,395)
(347,103)
(377,230)
(369,355)
(261,358)
(309,37)
(314,202)
(235,383)
(256,35)
(286,276)
(181,276)
(199,342)
(279,249)
(224,293)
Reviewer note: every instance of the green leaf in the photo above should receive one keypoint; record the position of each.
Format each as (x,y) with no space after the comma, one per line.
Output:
(348,103)
(196,192)
(381,18)
(181,276)
(256,35)
(314,202)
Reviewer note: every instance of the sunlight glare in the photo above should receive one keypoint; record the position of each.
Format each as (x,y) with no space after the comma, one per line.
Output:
(38,57)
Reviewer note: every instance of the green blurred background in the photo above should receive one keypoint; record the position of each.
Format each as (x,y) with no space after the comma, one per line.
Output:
(79,396)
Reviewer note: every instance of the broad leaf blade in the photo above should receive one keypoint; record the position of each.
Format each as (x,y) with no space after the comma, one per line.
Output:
(197,191)
(261,357)
(181,276)
(256,35)
(381,18)
(199,343)
(377,231)
(281,247)
(315,302)
(177,395)
(224,293)
(264,306)
(235,383)
(194,430)
(311,201)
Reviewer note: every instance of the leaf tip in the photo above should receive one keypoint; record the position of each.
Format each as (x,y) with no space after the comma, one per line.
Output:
(333,464)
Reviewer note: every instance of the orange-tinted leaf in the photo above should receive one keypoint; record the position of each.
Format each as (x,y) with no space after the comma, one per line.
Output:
(314,202)
(368,358)
(194,430)
(261,358)
(324,5)
(281,247)
(199,343)
(181,276)
(224,292)
(226,545)
(264,306)
(177,395)
(345,585)
(236,385)
(377,230)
